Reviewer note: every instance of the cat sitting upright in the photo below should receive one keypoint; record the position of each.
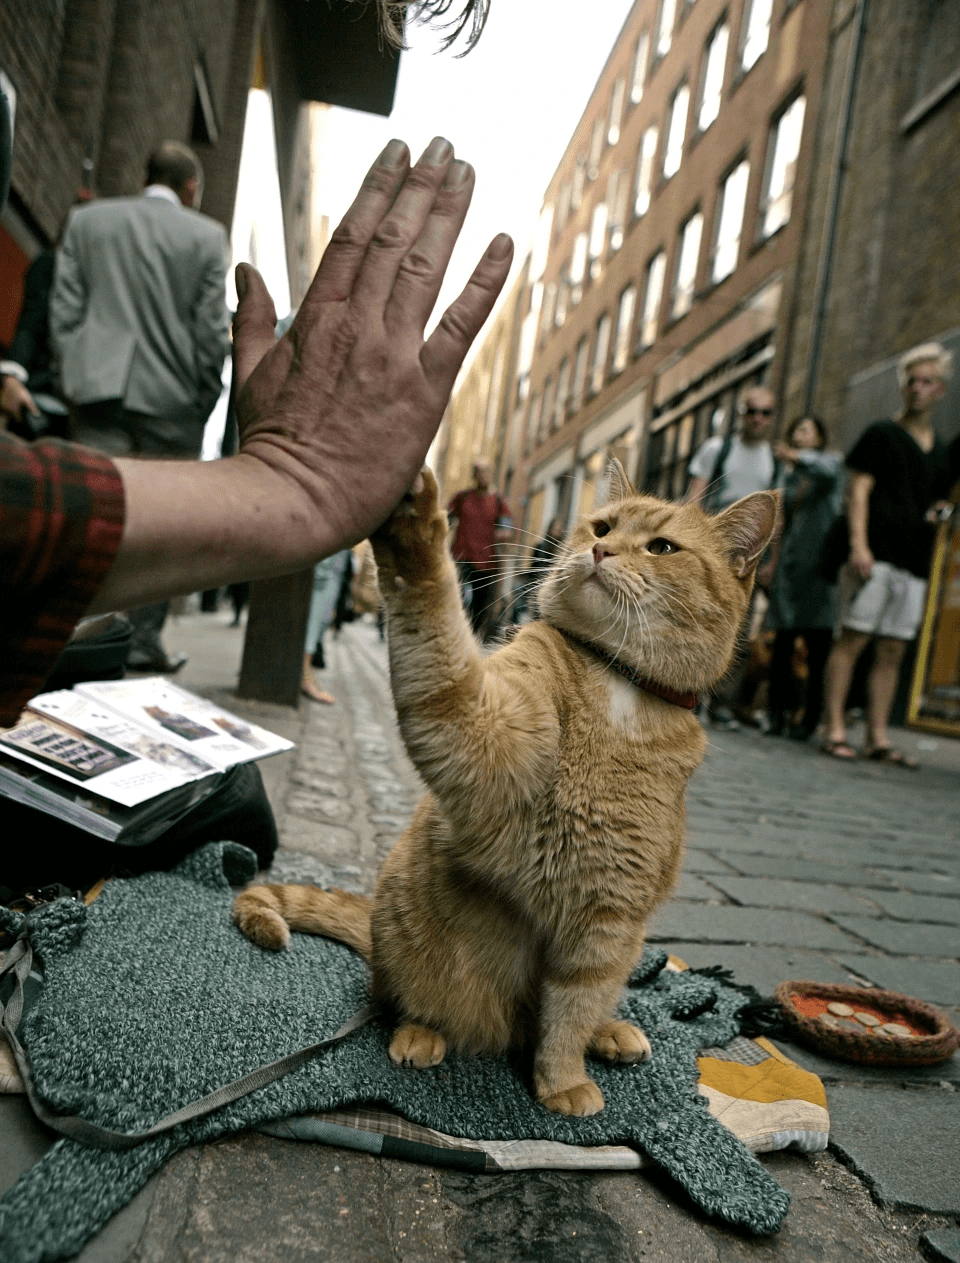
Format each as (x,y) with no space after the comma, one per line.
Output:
(513,907)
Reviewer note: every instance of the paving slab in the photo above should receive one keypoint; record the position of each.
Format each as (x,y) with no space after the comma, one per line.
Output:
(901,938)
(809,895)
(942,1244)
(835,1070)
(905,1144)
(762,967)
(705,923)
(907,906)
(923,882)
(810,870)
(937,982)
(697,861)
(690,886)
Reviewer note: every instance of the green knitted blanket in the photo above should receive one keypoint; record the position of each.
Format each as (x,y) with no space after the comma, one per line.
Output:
(153,998)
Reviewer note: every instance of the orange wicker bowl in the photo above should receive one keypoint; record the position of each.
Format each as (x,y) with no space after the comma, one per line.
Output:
(934,1036)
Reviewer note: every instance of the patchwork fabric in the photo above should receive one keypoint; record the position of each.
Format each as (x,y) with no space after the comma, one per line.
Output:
(152,998)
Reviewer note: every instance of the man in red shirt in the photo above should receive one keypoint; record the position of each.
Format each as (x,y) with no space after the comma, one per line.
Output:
(482,520)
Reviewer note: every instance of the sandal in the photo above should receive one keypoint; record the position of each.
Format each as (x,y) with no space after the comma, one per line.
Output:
(889,754)
(839,750)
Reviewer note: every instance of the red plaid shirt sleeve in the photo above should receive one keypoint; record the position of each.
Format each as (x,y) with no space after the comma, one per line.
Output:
(61,522)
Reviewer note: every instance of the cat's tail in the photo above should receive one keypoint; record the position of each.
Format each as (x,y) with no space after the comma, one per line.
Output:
(267,914)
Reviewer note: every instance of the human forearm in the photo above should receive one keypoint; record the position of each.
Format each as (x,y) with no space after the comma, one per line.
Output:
(858,503)
(235,519)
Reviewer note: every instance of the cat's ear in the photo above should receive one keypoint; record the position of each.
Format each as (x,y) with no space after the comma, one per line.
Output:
(748,527)
(619,486)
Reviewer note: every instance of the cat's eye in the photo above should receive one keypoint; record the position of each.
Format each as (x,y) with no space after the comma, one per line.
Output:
(660,547)
(600,529)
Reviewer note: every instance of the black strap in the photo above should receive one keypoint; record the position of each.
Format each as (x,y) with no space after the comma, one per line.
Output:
(19,959)
(715,485)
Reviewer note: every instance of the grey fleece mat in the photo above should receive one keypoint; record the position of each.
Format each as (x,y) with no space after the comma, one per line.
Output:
(153,998)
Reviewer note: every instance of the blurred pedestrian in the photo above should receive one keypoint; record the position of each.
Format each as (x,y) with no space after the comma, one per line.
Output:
(801,600)
(327,576)
(482,519)
(542,556)
(139,320)
(726,469)
(898,471)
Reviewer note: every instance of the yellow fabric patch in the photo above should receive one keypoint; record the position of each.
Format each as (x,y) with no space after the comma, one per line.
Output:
(776,1079)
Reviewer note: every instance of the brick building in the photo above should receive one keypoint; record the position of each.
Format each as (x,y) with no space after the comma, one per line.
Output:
(662,280)
(96,84)
(879,269)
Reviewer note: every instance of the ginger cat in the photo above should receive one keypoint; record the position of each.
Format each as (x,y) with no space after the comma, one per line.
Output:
(513,907)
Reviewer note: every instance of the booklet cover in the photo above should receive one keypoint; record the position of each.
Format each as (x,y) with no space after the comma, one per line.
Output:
(174,715)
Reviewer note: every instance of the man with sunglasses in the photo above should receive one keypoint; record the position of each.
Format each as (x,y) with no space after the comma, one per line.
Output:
(724,470)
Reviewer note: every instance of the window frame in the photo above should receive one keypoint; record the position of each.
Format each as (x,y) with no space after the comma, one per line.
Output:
(623,334)
(722,25)
(682,87)
(763,232)
(742,161)
(646,166)
(647,318)
(750,8)
(601,354)
(689,295)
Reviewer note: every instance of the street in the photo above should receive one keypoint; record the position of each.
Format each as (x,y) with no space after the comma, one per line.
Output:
(797,867)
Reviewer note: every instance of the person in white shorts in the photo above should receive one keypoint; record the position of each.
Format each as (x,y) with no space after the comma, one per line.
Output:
(898,474)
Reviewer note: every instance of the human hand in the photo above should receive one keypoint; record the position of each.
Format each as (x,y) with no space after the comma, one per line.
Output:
(785,453)
(346,403)
(861,560)
(14,397)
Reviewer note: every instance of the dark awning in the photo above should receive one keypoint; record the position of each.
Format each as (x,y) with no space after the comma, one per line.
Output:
(340,56)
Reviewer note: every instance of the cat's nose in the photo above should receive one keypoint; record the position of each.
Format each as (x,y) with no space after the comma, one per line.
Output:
(599,552)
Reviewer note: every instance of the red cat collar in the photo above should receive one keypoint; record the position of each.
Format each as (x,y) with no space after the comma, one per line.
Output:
(689,701)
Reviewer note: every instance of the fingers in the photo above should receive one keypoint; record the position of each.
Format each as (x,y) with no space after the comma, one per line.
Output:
(395,243)
(417,280)
(444,350)
(344,255)
(254,325)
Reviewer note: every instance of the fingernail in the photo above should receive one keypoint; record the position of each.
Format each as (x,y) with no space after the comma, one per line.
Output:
(458,174)
(241,278)
(437,152)
(500,247)
(393,155)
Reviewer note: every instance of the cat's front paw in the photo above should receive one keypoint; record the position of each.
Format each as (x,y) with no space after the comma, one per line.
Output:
(580,1101)
(409,546)
(417,1046)
(620,1041)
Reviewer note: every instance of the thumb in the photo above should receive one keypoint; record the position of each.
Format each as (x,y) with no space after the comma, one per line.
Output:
(254,325)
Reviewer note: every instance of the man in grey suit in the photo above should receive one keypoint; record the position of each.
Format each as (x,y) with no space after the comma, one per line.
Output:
(139,319)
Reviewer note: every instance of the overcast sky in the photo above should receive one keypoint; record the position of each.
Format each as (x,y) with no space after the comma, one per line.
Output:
(509,107)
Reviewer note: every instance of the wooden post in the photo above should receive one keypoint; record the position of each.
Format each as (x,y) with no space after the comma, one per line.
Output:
(273,650)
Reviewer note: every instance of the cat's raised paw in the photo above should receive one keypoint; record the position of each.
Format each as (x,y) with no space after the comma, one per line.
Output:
(620,1041)
(410,544)
(417,1046)
(580,1101)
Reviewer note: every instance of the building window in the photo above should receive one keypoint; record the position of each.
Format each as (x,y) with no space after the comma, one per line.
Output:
(625,313)
(644,185)
(563,393)
(547,310)
(676,130)
(598,238)
(618,190)
(616,111)
(563,297)
(596,149)
(668,16)
(598,370)
(639,68)
(579,176)
(733,198)
(579,376)
(656,271)
(714,62)
(755,33)
(578,268)
(546,412)
(687,259)
(782,151)
(533,422)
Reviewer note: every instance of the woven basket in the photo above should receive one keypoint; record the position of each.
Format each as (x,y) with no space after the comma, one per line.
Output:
(876,1049)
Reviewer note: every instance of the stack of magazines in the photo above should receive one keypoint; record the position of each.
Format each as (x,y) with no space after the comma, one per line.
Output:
(124,759)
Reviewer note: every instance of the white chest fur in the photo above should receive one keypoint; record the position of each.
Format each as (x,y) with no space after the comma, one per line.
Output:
(623,704)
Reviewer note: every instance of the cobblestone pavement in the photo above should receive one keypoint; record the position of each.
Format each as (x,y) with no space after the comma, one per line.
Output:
(797,867)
